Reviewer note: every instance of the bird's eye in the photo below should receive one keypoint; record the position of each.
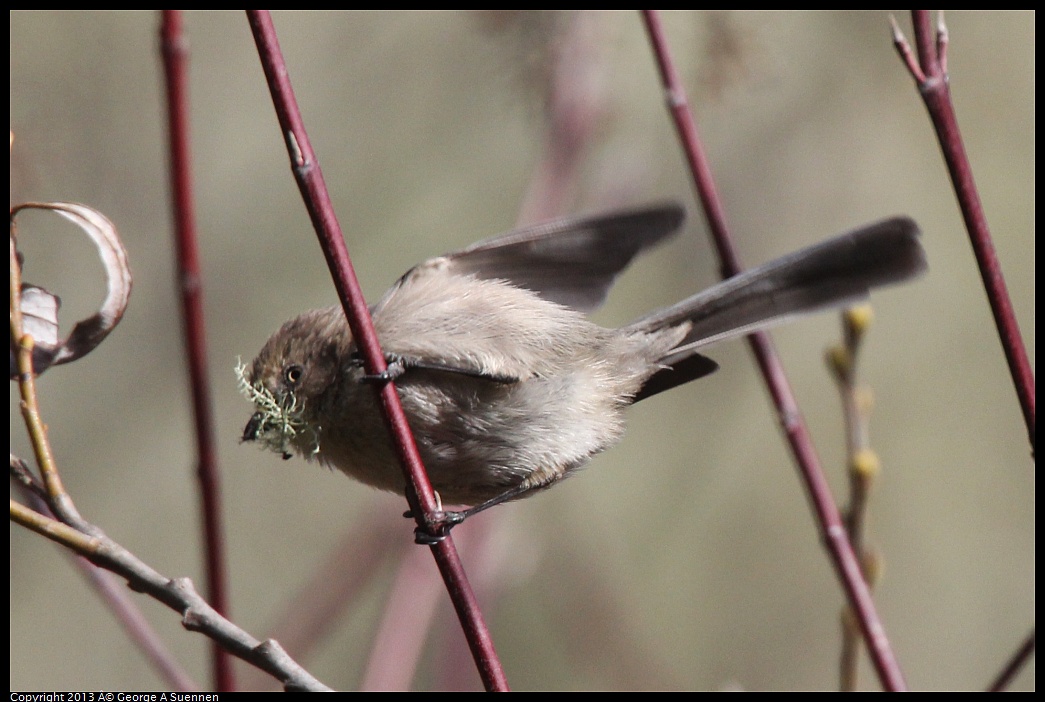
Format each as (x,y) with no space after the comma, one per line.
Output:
(292,374)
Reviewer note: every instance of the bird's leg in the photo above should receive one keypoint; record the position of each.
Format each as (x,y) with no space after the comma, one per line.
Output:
(438,527)
(399,365)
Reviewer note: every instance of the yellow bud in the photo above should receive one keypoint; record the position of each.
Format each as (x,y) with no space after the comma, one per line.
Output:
(839,360)
(873,564)
(865,464)
(858,319)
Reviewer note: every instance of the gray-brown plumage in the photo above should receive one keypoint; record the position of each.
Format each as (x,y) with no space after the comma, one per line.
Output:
(506,384)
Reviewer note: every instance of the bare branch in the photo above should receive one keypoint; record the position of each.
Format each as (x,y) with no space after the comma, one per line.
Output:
(933,85)
(829,519)
(419,493)
(174,47)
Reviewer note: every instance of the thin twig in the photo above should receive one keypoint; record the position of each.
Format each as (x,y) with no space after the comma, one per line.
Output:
(179,594)
(74,532)
(1015,664)
(29,482)
(828,517)
(124,608)
(58,500)
(174,47)
(419,493)
(930,75)
(863,470)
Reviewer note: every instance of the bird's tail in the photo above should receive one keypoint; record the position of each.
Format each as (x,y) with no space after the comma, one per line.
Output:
(836,272)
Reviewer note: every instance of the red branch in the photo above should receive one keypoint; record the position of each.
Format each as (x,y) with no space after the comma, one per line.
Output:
(828,517)
(419,491)
(174,47)
(929,71)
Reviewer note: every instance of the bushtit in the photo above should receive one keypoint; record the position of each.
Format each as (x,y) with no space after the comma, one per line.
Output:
(507,386)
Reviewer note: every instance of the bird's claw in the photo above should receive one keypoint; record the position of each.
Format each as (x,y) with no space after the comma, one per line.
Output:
(393,371)
(437,527)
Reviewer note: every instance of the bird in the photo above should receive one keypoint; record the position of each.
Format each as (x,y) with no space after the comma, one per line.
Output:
(507,385)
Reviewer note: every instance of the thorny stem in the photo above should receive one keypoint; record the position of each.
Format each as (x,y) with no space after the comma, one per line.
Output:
(828,517)
(930,75)
(174,47)
(419,493)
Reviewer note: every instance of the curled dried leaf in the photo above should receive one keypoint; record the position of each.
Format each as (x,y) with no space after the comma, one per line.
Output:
(40,308)
(40,321)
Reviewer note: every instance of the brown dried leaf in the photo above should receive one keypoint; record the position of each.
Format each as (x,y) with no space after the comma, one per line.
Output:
(39,320)
(40,308)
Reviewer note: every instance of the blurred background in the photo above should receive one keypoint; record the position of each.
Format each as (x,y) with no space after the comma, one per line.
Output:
(684,558)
